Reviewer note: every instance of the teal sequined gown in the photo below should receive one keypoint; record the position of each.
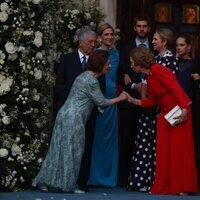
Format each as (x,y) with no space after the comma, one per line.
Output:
(61,166)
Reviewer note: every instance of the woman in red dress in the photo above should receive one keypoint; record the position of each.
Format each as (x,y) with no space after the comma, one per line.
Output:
(175,161)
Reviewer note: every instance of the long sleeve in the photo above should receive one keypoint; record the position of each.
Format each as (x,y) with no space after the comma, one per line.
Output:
(168,80)
(97,96)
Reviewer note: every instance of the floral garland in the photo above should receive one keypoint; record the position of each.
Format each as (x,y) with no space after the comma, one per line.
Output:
(29,43)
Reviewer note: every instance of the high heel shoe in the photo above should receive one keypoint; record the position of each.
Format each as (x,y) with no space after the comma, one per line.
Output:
(43,187)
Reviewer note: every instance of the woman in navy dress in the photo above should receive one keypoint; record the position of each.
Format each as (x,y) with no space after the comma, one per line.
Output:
(104,163)
(185,55)
(60,168)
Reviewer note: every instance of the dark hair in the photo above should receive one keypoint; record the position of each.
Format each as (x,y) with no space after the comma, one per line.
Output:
(189,41)
(142,18)
(97,60)
(142,56)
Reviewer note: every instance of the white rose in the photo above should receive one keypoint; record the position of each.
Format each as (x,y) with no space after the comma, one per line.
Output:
(16,150)
(31,14)
(12,57)
(10,47)
(38,74)
(39,56)
(36,1)
(37,41)
(38,34)
(4,6)
(36,97)
(6,120)
(5,84)
(3,152)
(3,16)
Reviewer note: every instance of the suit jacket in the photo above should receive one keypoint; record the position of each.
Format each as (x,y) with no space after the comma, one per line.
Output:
(68,69)
(124,68)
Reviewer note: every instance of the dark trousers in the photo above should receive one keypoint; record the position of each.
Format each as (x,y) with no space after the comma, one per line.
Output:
(128,125)
(86,159)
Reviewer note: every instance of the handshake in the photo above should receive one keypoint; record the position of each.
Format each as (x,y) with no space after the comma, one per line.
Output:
(126,96)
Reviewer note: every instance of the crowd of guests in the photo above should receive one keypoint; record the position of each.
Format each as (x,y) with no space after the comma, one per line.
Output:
(96,142)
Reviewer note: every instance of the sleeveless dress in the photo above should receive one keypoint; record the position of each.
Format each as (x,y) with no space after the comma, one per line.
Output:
(60,168)
(104,162)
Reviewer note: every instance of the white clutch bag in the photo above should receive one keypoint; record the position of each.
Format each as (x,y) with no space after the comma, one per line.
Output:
(176,111)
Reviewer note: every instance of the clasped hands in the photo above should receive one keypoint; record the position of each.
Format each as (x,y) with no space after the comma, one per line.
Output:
(125,96)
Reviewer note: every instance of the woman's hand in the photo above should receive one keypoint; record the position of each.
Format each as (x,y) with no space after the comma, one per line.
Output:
(127,79)
(123,96)
(182,117)
(131,99)
(195,76)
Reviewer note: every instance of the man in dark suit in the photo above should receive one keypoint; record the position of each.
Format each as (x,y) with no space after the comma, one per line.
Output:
(130,82)
(71,65)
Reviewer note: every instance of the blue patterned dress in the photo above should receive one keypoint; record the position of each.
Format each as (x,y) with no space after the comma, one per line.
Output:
(104,163)
(60,168)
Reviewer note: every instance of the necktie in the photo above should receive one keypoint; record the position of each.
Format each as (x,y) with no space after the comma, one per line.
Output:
(84,62)
(142,44)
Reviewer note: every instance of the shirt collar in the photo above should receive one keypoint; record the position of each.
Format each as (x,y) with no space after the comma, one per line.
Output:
(138,42)
(81,55)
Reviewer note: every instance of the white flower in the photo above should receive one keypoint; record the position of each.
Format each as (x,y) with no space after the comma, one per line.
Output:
(5,84)
(16,150)
(38,74)
(36,1)
(3,16)
(2,57)
(4,6)
(2,106)
(17,139)
(39,56)
(6,120)
(39,160)
(38,34)
(3,152)
(37,41)
(10,47)
(75,12)
(12,57)
(27,33)
(36,97)
(87,15)
(31,14)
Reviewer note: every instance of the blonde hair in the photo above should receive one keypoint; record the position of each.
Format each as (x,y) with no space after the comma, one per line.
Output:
(103,27)
(167,35)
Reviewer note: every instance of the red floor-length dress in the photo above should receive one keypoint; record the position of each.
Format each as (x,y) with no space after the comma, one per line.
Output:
(175,160)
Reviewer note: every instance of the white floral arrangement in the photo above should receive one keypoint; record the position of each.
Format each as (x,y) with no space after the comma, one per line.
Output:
(29,43)
(25,89)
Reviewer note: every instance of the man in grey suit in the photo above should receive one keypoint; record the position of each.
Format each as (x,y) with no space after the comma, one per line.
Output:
(71,65)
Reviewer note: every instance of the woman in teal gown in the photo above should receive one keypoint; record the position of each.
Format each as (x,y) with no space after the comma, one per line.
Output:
(104,162)
(60,168)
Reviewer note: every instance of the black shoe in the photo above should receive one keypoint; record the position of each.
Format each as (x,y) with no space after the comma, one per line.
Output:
(83,188)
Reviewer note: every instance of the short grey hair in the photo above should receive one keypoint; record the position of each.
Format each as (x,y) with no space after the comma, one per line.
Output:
(83,32)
